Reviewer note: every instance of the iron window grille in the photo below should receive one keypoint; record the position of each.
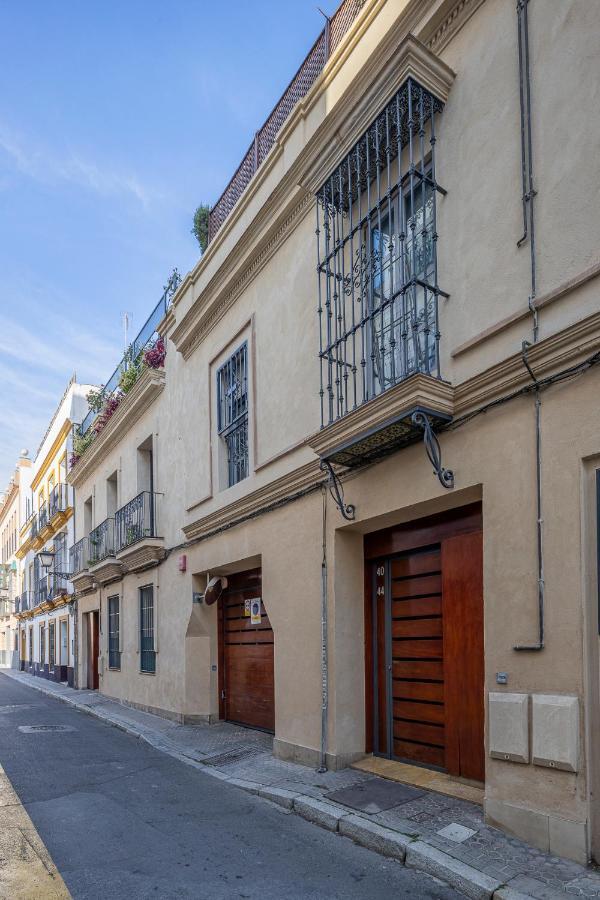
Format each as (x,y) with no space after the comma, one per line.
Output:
(147,651)
(232,413)
(51,645)
(377,257)
(114,653)
(42,645)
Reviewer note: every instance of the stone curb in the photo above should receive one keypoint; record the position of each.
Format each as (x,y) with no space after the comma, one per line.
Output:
(459,875)
(508,893)
(413,853)
(324,814)
(375,837)
(279,795)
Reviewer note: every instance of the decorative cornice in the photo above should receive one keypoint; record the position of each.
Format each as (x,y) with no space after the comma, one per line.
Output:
(22,551)
(453,14)
(558,351)
(83,583)
(142,555)
(207,312)
(541,302)
(129,410)
(399,56)
(295,482)
(106,570)
(419,390)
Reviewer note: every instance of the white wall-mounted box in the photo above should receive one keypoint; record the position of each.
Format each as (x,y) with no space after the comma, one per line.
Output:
(509,726)
(555,731)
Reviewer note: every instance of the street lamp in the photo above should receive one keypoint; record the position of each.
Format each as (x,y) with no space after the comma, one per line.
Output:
(46,558)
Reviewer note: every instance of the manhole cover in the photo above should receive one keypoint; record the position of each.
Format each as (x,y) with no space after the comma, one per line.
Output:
(238,754)
(375,795)
(44,729)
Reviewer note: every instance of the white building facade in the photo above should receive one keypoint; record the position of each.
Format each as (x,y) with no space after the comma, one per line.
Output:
(46,621)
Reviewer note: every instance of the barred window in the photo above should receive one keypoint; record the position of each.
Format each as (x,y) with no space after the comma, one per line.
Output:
(232,413)
(396,263)
(42,645)
(376,232)
(51,644)
(114,652)
(147,651)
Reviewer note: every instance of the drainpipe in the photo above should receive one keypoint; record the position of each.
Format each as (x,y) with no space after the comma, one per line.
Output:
(528,195)
(324,642)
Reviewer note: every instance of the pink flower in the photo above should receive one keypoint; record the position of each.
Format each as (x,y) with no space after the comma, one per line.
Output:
(155,356)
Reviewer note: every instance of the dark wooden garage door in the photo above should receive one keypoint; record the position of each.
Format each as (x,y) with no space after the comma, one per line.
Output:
(425,644)
(247,674)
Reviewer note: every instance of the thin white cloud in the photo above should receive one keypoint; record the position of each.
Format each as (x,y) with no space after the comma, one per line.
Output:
(47,167)
(83,349)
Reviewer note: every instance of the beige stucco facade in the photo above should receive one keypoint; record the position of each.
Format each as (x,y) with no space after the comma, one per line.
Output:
(256,285)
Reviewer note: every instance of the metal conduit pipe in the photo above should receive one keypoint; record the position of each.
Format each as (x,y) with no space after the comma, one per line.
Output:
(528,195)
(324,642)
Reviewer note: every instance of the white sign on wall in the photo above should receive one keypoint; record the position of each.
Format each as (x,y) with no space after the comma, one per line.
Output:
(255,611)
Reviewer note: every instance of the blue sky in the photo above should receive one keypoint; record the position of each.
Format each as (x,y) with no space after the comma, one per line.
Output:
(116,120)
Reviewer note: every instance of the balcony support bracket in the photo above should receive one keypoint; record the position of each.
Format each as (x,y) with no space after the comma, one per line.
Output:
(432,448)
(337,492)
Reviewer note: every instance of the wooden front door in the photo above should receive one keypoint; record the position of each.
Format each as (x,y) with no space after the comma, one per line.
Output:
(247,682)
(92,650)
(425,632)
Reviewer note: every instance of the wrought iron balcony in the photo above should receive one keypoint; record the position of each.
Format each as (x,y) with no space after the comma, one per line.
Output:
(102,542)
(144,340)
(24,602)
(79,556)
(58,585)
(42,517)
(42,591)
(50,587)
(139,545)
(59,500)
(136,520)
(34,525)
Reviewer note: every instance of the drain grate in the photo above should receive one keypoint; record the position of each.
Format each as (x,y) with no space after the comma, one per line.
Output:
(235,755)
(44,729)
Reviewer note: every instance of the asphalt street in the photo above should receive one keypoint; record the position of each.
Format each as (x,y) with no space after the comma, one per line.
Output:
(122,820)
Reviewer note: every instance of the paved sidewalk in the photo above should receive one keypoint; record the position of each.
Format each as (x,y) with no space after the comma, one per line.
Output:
(440,834)
(26,868)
